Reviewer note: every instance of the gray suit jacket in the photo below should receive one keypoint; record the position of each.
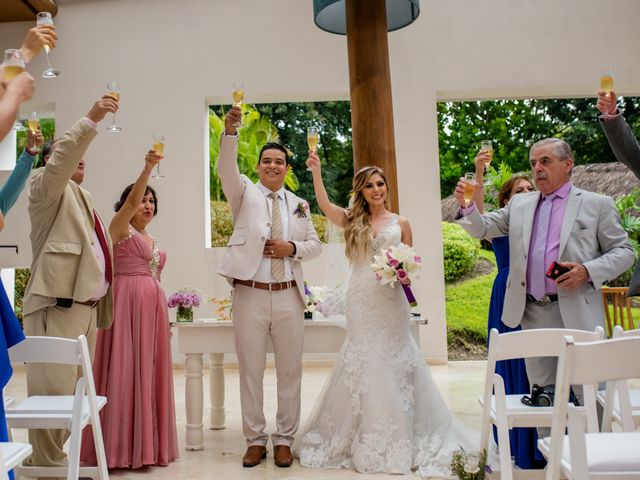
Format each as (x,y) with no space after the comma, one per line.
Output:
(591,234)
(626,149)
(252,222)
(61,212)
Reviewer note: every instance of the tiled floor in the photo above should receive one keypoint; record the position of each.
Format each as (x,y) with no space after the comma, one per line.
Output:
(459,382)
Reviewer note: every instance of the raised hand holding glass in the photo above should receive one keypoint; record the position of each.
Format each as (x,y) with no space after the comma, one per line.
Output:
(44,18)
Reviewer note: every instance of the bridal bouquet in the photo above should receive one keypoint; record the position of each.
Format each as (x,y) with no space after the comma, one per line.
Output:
(398,264)
(469,466)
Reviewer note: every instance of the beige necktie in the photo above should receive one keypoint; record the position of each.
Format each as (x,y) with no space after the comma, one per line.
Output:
(277,264)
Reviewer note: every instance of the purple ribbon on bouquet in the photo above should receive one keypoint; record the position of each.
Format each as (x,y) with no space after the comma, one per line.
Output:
(410,297)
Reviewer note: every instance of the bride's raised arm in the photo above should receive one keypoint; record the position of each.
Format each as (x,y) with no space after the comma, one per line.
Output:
(334,213)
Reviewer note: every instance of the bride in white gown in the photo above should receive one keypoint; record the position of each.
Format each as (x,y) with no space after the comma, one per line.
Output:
(380,410)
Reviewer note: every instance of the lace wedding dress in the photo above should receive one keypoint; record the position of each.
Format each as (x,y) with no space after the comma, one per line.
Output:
(380,410)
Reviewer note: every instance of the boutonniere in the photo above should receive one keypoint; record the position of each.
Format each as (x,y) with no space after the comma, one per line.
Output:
(302,209)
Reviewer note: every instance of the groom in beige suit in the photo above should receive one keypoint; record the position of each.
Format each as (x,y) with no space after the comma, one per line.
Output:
(272,234)
(69,292)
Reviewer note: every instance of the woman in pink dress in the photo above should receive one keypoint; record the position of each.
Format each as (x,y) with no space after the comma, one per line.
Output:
(132,365)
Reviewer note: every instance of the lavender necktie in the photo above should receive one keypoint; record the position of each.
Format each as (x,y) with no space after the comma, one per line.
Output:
(536,276)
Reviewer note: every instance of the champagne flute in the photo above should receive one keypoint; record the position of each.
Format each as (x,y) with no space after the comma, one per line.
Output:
(113,90)
(469,190)
(487,146)
(606,80)
(312,138)
(238,98)
(158,146)
(44,18)
(34,123)
(13,66)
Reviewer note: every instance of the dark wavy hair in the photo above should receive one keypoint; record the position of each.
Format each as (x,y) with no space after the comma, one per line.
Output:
(127,191)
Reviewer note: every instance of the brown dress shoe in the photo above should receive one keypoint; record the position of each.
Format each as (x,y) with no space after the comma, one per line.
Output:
(254,455)
(282,456)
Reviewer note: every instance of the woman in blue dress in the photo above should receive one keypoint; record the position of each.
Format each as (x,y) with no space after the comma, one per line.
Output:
(523,440)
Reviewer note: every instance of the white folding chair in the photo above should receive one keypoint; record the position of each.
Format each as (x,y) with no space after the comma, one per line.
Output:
(590,454)
(70,412)
(11,455)
(507,411)
(608,398)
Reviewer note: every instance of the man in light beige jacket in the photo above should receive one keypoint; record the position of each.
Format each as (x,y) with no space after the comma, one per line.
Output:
(69,292)
(272,234)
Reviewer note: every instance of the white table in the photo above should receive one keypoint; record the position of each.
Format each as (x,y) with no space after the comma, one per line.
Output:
(216,338)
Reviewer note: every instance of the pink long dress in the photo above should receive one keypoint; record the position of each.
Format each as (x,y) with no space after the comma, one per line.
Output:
(132,365)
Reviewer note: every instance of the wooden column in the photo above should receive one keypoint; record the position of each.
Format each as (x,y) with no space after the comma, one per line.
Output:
(370,87)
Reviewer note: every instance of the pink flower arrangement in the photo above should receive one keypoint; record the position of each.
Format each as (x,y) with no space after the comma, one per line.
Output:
(186,298)
(398,264)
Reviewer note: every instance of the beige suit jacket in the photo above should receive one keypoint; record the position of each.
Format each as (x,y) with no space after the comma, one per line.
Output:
(61,212)
(252,222)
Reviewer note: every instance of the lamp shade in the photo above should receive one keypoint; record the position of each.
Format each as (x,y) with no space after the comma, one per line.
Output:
(330,15)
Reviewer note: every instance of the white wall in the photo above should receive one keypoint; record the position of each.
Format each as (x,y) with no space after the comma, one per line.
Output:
(172,58)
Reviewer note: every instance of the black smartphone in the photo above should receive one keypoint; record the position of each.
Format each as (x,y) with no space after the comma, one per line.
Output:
(556,269)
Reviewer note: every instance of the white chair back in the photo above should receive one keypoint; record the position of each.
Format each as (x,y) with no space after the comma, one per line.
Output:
(72,412)
(588,364)
(506,411)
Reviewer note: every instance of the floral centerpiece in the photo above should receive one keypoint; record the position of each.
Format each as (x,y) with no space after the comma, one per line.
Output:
(322,301)
(222,308)
(185,299)
(470,466)
(398,264)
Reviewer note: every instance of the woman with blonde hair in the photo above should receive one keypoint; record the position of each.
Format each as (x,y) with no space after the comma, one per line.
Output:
(380,411)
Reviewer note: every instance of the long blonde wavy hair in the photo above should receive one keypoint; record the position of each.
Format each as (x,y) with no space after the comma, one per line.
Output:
(358,232)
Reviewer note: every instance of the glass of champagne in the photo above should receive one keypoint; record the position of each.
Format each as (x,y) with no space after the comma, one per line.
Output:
(158,146)
(606,80)
(469,190)
(13,66)
(113,90)
(312,138)
(238,98)
(34,123)
(44,18)
(487,146)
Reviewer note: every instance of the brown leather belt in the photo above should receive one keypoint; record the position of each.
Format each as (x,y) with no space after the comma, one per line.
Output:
(88,303)
(67,302)
(272,287)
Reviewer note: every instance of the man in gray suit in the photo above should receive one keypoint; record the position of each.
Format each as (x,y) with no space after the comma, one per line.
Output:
(581,230)
(626,149)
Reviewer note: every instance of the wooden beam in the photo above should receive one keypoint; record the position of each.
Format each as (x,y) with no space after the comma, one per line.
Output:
(25,10)
(370,88)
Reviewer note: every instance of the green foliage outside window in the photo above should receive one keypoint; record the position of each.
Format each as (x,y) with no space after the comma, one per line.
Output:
(460,251)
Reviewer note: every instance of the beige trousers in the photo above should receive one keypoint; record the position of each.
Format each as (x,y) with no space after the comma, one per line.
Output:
(258,314)
(49,379)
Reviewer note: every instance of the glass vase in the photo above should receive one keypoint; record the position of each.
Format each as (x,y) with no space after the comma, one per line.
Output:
(184,314)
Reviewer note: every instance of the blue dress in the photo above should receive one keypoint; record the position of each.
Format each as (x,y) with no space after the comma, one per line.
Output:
(10,329)
(514,373)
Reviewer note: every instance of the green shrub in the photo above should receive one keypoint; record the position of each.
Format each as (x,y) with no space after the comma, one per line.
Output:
(22,278)
(320,223)
(222,224)
(460,251)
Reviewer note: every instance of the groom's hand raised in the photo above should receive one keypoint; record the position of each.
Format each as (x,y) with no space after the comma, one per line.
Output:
(278,249)
(231,120)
